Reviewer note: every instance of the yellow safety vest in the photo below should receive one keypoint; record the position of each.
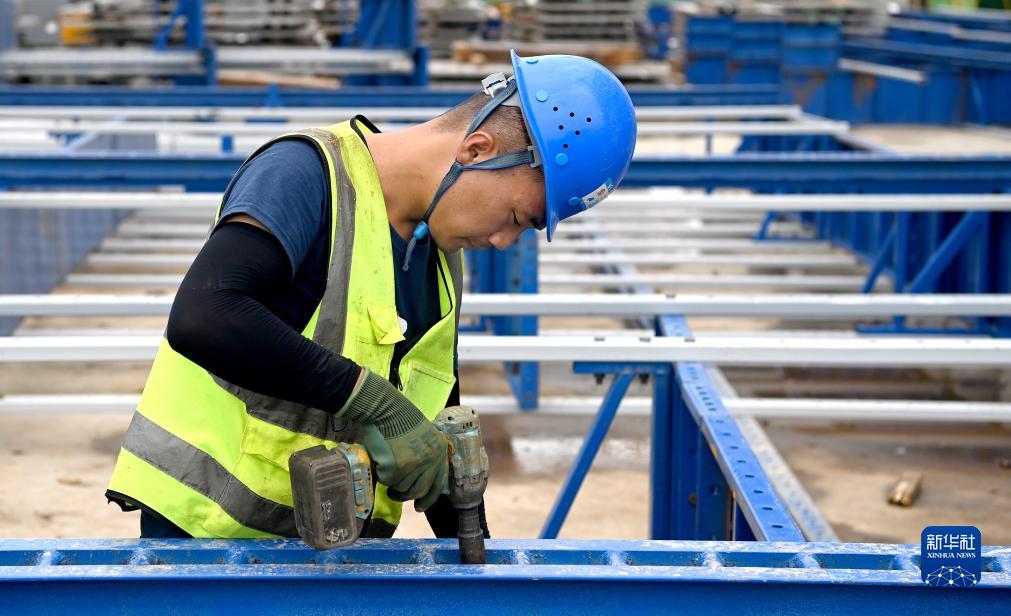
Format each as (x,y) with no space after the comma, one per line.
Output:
(212,457)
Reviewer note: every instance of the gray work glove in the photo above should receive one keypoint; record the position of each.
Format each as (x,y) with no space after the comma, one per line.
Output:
(410,454)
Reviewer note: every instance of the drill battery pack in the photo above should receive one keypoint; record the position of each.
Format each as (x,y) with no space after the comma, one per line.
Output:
(332,494)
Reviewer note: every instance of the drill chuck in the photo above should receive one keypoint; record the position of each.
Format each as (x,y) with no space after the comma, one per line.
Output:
(471,536)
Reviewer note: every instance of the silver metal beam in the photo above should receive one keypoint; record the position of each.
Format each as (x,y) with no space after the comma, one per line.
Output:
(677,199)
(122,280)
(146,61)
(829,261)
(758,351)
(700,245)
(789,282)
(914,411)
(882,70)
(826,127)
(122,61)
(127,244)
(267,130)
(805,306)
(664,200)
(671,230)
(806,262)
(872,410)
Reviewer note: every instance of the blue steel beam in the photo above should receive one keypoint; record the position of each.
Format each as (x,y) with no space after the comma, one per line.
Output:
(946,55)
(415,577)
(823,172)
(406,96)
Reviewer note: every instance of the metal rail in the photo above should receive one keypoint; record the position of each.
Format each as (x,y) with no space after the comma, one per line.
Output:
(805,306)
(739,351)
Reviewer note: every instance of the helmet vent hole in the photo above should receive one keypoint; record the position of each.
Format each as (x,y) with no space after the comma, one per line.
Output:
(577,133)
(572,114)
(589,119)
(561,127)
(565,145)
(554,109)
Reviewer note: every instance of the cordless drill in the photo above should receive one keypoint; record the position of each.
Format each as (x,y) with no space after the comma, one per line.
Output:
(332,489)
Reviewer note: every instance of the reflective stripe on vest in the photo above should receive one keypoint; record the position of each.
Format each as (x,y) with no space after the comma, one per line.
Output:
(212,457)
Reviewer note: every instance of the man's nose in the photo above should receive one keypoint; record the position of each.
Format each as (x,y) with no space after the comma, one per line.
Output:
(504,239)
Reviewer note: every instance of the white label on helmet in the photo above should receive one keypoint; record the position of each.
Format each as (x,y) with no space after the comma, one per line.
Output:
(598,195)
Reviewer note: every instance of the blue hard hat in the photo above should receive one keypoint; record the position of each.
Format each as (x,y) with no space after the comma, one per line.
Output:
(582,124)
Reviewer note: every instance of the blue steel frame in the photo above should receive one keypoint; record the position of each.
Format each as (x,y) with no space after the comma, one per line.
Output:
(764,172)
(354,97)
(420,577)
(962,79)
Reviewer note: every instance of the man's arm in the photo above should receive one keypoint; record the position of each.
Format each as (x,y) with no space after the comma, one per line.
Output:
(220,321)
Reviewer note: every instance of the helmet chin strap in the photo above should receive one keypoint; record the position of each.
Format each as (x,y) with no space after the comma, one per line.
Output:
(514,159)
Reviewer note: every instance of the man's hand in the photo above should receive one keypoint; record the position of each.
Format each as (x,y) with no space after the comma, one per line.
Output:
(414,466)
(410,453)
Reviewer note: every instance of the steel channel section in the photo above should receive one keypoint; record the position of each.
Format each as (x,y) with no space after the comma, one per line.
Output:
(410,576)
(801,171)
(703,501)
(739,469)
(800,504)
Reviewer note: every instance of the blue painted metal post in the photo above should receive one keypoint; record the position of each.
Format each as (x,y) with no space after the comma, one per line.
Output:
(662,459)
(686,452)
(712,500)
(515,271)
(885,254)
(763,231)
(947,251)
(8,32)
(587,452)
(901,259)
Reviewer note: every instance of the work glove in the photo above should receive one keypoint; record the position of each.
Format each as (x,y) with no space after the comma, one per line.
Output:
(410,454)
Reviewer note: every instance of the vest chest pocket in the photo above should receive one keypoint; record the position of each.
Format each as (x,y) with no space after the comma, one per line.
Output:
(370,337)
(426,386)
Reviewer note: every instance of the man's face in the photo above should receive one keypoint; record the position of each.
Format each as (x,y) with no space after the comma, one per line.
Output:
(489,209)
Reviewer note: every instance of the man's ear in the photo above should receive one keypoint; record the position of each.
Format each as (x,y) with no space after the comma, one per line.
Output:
(478,146)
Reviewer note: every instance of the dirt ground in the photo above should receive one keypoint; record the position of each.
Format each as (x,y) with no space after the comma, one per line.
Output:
(57,467)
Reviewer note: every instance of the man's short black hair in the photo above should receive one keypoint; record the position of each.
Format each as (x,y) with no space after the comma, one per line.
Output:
(505,123)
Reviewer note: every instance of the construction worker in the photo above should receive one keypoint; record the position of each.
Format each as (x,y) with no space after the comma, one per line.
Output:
(324,306)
